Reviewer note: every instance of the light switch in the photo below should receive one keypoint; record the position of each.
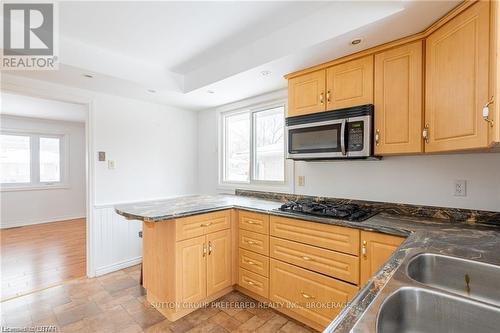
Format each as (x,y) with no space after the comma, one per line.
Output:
(111,164)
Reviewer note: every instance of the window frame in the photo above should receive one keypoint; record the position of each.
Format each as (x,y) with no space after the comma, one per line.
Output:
(252,183)
(35,183)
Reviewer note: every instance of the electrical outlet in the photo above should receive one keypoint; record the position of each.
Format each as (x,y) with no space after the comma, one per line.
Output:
(460,188)
(111,164)
(302,180)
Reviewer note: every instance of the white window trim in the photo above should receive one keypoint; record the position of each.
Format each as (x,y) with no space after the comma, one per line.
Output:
(35,183)
(276,186)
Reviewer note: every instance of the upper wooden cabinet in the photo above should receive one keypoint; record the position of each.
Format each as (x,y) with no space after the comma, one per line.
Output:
(350,84)
(376,249)
(457,58)
(398,100)
(306,94)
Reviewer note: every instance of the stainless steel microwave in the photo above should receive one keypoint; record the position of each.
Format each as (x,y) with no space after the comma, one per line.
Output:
(340,134)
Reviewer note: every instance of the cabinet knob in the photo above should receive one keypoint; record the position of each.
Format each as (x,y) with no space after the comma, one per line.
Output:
(486,111)
(306,296)
(425,133)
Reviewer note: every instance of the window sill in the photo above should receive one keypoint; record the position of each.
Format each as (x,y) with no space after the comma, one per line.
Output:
(34,187)
(231,187)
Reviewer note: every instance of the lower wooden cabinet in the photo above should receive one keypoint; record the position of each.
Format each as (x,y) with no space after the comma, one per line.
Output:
(376,249)
(182,274)
(219,272)
(254,282)
(316,298)
(191,270)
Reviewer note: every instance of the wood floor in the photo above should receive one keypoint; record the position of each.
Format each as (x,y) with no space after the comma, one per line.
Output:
(116,302)
(40,256)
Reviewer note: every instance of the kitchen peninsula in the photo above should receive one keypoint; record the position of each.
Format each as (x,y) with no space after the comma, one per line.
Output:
(198,248)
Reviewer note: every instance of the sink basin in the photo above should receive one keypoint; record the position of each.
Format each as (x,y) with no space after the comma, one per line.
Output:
(418,310)
(468,278)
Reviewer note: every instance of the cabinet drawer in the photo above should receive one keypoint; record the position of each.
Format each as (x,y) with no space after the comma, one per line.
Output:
(253,241)
(254,262)
(254,282)
(330,237)
(338,265)
(311,295)
(255,222)
(198,225)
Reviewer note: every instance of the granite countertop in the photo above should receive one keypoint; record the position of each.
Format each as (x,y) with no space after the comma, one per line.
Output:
(473,241)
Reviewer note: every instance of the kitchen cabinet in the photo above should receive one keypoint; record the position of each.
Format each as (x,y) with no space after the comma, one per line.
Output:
(350,84)
(457,73)
(306,94)
(188,261)
(376,249)
(191,270)
(398,100)
(219,273)
(305,289)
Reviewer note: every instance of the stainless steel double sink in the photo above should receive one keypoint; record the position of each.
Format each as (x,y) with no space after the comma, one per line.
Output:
(437,293)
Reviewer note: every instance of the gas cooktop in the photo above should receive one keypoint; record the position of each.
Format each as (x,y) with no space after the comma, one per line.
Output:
(349,212)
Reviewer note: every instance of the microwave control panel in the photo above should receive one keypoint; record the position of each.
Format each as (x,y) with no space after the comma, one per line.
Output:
(355,136)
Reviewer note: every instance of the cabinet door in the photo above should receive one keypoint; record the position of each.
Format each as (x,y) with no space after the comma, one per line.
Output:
(306,94)
(350,84)
(191,271)
(457,57)
(376,249)
(398,100)
(219,271)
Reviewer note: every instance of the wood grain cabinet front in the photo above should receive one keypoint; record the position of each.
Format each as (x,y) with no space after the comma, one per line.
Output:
(457,81)
(350,84)
(376,249)
(254,282)
(314,297)
(251,221)
(327,236)
(253,241)
(398,100)
(219,272)
(306,94)
(335,264)
(254,262)
(202,224)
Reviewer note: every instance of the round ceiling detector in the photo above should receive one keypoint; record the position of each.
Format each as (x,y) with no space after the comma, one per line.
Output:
(356,41)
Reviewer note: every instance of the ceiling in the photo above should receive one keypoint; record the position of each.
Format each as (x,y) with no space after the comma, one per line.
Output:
(198,55)
(34,107)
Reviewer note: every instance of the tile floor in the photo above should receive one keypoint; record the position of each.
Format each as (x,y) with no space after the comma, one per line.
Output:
(116,303)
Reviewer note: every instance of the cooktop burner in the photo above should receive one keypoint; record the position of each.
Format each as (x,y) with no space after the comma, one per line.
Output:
(350,212)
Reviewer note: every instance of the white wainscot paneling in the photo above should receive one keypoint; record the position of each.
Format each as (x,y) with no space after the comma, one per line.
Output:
(117,243)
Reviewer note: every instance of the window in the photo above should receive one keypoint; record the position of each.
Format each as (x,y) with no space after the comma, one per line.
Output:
(30,160)
(253,146)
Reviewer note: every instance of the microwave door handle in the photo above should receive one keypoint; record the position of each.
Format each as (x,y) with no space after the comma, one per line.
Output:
(342,137)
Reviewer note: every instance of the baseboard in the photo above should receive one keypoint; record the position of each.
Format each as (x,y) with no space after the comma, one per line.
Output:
(117,266)
(25,222)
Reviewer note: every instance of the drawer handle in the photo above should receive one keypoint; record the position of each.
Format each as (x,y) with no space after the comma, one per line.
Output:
(306,258)
(250,262)
(363,249)
(206,224)
(250,242)
(306,296)
(251,222)
(251,283)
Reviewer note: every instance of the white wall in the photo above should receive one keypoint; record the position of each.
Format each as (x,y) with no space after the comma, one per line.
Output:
(421,180)
(40,206)
(155,150)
